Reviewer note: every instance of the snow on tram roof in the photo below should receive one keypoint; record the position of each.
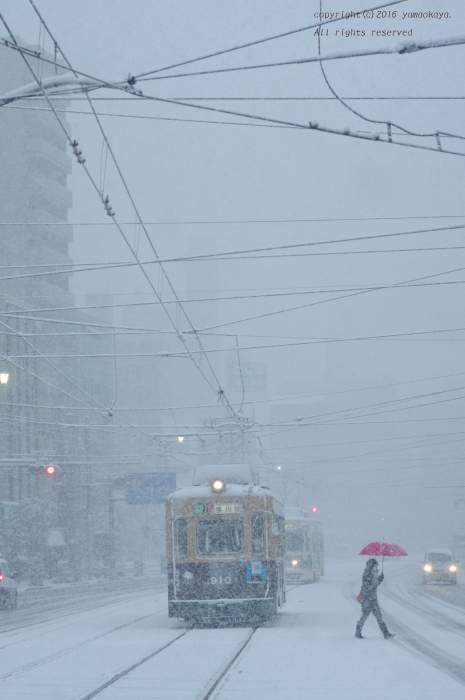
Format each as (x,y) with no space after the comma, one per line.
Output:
(230,490)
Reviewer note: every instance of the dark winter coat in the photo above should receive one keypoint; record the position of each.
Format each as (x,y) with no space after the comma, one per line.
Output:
(369,588)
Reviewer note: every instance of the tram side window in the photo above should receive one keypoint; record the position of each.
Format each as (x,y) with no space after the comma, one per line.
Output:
(322,546)
(294,542)
(315,542)
(220,536)
(181,538)
(257,535)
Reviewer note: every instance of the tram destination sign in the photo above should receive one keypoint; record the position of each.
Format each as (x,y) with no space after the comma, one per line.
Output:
(225,508)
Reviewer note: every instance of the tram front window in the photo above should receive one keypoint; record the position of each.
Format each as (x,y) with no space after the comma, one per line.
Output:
(220,536)
(294,542)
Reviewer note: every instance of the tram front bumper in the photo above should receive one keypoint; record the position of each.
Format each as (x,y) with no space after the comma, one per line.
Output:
(231,609)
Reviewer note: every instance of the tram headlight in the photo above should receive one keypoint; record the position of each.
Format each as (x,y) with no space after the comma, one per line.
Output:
(427,567)
(294,562)
(452,568)
(218,485)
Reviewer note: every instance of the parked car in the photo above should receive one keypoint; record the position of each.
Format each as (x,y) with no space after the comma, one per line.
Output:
(8,587)
(439,565)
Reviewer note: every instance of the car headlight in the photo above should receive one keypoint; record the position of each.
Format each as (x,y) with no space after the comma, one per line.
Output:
(452,568)
(294,562)
(427,567)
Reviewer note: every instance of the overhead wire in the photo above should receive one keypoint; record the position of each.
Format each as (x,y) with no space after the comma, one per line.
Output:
(230,221)
(256,42)
(324,301)
(388,123)
(219,391)
(38,55)
(129,85)
(166,353)
(194,300)
(224,255)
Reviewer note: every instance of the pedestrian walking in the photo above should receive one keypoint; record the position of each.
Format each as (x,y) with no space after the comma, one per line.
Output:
(369,599)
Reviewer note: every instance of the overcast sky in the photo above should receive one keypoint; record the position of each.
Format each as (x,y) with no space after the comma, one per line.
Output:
(184,171)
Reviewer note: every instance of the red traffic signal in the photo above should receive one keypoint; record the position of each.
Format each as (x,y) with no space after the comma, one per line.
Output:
(50,470)
(314,509)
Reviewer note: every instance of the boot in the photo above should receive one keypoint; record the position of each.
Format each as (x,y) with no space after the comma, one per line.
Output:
(385,631)
(358,633)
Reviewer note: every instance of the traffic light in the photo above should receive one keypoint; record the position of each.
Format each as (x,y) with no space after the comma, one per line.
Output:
(48,470)
(314,509)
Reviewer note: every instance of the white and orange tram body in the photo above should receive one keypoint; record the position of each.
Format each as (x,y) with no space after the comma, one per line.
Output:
(304,547)
(225,548)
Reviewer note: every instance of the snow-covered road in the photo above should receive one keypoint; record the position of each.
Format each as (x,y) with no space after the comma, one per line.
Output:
(128,648)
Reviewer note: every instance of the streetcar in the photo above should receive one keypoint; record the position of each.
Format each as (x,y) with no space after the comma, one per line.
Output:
(304,559)
(225,548)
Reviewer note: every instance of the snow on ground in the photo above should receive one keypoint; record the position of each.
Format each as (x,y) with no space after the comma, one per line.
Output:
(312,652)
(307,651)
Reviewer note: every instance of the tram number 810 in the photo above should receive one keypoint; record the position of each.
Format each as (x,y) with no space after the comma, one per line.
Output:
(220,579)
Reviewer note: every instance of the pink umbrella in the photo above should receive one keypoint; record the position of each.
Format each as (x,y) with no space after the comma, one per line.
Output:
(383,549)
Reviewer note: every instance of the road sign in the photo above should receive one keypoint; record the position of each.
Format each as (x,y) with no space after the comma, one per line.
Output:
(142,489)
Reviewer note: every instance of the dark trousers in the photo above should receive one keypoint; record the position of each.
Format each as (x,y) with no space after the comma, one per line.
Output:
(372,607)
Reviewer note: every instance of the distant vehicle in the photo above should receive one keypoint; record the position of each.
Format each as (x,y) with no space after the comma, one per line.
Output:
(439,565)
(8,588)
(304,547)
(225,548)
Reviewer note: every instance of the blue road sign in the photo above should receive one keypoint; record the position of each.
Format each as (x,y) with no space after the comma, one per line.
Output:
(142,489)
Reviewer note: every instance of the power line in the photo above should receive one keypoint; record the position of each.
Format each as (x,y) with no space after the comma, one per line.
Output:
(129,85)
(413,47)
(105,201)
(231,221)
(401,132)
(325,301)
(134,98)
(196,300)
(165,353)
(258,41)
(373,405)
(312,125)
(388,124)
(38,355)
(131,80)
(226,254)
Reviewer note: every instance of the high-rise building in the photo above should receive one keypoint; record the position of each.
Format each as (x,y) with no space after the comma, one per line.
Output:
(47,405)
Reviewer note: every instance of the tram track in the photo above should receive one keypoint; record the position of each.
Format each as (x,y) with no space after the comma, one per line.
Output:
(20,620)
(223,673)
(130,668)
(69,650)
(204,694)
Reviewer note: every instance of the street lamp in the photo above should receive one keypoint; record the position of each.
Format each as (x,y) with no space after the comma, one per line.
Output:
(4,377)
(180,438)
(278,467)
